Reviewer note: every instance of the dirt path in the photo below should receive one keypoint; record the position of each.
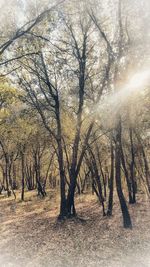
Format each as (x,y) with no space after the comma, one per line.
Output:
(31,236)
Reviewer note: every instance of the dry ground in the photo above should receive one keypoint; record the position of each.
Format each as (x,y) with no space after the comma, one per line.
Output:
(31,236)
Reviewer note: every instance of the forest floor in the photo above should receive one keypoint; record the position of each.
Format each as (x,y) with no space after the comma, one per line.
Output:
(30,234)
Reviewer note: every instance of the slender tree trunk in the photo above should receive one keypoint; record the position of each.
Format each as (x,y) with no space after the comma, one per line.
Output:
(146,166)
(111,188)
(75,169)
(132,167)
(126,176)
(23,175)
(84,181)
(7,175)
(102,173)
(14,177)
(95,174)
(37,165)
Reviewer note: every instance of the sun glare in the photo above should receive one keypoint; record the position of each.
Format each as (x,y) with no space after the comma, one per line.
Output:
(139,80)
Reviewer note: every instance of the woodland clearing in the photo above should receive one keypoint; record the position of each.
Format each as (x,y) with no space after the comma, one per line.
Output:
(32,236)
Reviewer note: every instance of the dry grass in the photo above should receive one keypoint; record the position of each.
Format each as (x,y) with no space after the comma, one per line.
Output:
(31,235)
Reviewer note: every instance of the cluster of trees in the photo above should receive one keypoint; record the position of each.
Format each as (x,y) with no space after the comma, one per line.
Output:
(66,117)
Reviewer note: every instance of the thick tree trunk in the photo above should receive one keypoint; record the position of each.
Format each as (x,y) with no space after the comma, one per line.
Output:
(63,207)
(63,203)
(125,213)
(71,192)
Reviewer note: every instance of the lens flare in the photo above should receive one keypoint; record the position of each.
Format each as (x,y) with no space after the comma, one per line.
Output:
(140,79)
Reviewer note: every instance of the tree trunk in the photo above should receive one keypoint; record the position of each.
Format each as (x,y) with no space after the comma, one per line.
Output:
(63,203)
(40,189)
(111,188)
(126,175)
(125,213)
(147,171)
(71,191)
(23,175)
(132,168)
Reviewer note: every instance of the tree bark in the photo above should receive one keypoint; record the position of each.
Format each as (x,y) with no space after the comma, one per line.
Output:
(132,167)
(111,188)
(125,213)
(23,175)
